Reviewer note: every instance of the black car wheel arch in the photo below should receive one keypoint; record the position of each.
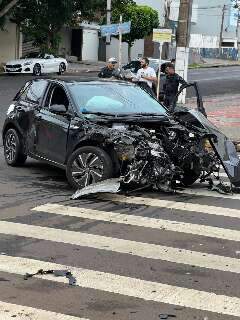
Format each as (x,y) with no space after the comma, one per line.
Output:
(88,165)
(13,148)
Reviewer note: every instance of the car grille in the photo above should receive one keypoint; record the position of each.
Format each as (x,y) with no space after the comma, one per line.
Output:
(15,66)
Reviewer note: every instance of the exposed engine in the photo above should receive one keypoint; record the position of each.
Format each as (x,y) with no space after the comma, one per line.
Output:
(163,159)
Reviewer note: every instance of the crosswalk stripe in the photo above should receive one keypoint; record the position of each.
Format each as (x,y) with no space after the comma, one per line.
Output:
(9,311)
(145,250)
(161,224)
(175,205)
(200,191)
(133,287)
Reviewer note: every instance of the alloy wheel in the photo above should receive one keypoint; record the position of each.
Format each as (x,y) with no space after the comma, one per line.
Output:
(62,68)
(37,70)
(87,168)
(10,147)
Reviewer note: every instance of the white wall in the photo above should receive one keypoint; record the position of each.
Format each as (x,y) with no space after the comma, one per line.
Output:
(113,50)
(90,45)
(10,47)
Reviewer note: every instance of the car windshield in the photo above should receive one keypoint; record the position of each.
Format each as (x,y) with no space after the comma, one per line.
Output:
(116,99)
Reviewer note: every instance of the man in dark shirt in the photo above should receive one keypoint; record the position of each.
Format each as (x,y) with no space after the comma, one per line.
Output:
(171,85)
(109,70)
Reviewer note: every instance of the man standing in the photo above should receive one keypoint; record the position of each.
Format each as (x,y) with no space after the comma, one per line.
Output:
(146,74)
(171,84)
(109,70)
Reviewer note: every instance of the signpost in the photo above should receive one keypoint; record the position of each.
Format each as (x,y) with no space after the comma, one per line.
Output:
(161,36)
(117,29)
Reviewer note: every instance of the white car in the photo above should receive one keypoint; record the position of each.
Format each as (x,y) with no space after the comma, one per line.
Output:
(42,63)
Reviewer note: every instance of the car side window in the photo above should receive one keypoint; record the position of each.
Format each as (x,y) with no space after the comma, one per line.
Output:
(36,91)
(57,95)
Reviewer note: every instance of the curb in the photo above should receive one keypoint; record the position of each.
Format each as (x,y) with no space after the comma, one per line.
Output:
(215,66)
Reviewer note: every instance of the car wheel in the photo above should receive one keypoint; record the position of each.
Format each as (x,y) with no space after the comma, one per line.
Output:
(13,148)
(88,165)
(62,68)
(37,71)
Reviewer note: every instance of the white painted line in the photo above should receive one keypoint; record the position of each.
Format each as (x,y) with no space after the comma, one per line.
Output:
(160,224)
(176,205)
(9,311)
(203,192)
(146,290)
(144,250)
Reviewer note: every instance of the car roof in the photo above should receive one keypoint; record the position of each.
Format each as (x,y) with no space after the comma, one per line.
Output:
(95,81)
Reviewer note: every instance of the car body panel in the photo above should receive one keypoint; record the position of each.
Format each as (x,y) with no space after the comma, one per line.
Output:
(26,65)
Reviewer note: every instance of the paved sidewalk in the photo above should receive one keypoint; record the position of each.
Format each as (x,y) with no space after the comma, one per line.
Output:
(224,112)
(85,67)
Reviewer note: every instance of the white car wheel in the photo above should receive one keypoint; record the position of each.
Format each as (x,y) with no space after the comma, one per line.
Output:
(37,70)
(62,68)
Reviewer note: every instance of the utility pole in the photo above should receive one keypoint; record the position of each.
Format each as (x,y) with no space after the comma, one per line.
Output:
(183,38)
(222,25)
(108,38)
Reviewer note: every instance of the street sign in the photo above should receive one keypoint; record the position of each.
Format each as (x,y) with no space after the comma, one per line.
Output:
(114,29)
(162,35)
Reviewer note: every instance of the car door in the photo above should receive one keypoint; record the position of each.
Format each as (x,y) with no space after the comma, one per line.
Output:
(51,127)
(49,63)
(27,102)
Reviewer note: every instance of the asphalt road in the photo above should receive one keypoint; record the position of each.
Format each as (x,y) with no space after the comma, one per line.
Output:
(150,256)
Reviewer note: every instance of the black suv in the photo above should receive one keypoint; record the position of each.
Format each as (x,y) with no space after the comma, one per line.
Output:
(63,123)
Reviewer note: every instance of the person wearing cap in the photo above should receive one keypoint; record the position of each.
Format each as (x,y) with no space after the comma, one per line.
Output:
(109,70)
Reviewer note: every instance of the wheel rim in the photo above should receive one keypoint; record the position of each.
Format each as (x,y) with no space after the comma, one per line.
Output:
(10,147)
(62,68)
(37,70)
(87,168)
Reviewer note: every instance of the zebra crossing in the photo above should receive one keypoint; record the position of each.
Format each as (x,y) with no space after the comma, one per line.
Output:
(89,226)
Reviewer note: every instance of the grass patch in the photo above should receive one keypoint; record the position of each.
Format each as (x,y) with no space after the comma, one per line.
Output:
(195,66)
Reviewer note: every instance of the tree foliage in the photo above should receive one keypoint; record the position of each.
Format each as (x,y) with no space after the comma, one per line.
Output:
(143,20)
(5,8)
(42,20)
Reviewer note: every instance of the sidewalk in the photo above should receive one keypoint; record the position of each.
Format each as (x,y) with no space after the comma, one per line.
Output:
(85,66)
(224,112)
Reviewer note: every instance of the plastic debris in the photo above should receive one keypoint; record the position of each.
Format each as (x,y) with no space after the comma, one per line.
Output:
(56,273)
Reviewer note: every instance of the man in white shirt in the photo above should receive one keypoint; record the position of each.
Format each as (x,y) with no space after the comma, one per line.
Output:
(146,74)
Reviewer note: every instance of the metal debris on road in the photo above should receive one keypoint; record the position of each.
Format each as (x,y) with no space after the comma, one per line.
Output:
(106,186)
(56,273)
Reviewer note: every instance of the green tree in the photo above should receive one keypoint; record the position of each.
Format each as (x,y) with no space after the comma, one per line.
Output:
(5,8)
(143,20)
(42,20)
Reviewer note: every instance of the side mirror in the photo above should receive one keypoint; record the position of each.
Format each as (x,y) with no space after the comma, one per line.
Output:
(58,109)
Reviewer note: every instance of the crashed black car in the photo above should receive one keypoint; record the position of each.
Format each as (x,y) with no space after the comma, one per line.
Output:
(97,130)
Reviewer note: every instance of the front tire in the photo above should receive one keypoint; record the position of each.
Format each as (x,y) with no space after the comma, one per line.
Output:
(37,71)
(62,68)
(88,165)
(13,148)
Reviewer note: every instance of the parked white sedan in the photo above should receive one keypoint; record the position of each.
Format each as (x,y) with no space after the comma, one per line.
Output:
(43,63)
